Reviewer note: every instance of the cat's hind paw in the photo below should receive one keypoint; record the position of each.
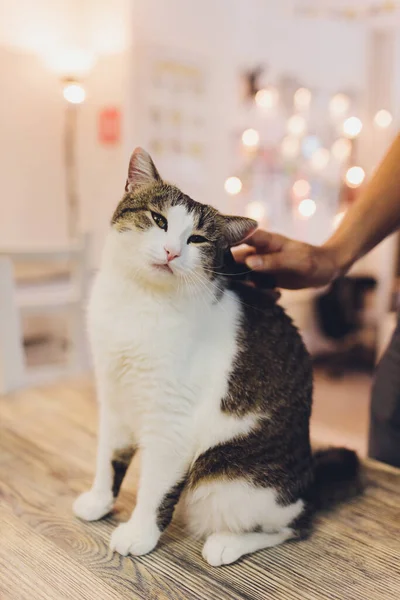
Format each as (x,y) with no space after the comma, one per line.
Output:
(222,549)
(92,505)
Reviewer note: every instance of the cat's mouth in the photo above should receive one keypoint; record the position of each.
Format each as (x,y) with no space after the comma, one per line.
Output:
(163,267)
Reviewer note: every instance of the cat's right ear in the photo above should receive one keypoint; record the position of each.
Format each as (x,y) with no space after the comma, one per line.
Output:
(141,171)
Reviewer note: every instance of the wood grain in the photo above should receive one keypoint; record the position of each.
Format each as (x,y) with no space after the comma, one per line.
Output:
(47,450)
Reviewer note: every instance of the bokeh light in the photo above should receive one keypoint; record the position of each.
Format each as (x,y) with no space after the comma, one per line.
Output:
(233,185)
(341,149)
(251,138)
(352,127)
(267,97)
(339,105)
(383,119)
(74,93)
(320,159)
(296,125)
(302,99)
(255,210)
(307,208)
(301,188)
(290,147)
(355,176)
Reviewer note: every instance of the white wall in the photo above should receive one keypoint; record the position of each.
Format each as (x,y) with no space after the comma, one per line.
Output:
(40,42)
(229,34)
(32,202)
(233,35)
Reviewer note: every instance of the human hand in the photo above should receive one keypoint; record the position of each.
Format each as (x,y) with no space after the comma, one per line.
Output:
(291,263)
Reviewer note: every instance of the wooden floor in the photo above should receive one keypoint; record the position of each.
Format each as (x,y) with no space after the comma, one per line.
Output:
(47,448)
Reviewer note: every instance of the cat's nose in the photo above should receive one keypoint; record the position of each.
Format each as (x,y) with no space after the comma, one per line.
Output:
(172,254)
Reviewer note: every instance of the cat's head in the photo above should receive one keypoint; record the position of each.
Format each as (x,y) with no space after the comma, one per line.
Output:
(166,238)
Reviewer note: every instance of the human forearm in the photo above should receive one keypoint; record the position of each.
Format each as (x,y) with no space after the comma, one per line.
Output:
(375,215)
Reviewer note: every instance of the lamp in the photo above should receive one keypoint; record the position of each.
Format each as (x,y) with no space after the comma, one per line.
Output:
(74,94)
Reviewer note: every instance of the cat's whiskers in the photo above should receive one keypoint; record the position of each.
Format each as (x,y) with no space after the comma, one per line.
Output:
(198,285)
(205,283)
(215,272)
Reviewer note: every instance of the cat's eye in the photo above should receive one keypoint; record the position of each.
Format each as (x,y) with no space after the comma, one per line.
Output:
(197,239)
(160,221)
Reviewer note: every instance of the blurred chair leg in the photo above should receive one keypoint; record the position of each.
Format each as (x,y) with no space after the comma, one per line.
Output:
(12,363)
(79,355)
(78,352)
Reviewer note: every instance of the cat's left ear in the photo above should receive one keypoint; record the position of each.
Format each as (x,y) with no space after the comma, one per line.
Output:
(237,229)
(141,171)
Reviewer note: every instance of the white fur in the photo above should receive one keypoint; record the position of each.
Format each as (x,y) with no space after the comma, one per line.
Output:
(163,350)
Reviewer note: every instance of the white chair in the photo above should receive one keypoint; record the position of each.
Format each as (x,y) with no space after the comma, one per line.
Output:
(42,298)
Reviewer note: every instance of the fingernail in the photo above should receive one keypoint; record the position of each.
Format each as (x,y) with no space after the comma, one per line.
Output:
(254,262)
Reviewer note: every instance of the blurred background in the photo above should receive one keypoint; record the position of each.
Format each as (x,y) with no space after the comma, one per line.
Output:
(275,110)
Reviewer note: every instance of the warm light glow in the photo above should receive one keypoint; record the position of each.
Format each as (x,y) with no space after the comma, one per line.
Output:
(383,119)
(251,138)
(301,188)
(352,127)
(320,159)
(255,210)
(69,62)
(296,125)
(233,185)
(355,176)
(302,99)
(267,97)
(290,147)
(339,105)
(341,149)
(337,219)
(74,93)
(307,208)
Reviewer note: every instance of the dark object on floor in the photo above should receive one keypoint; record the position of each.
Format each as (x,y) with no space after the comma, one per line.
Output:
(384,433)
(339,309)
(357,358)
(340,316)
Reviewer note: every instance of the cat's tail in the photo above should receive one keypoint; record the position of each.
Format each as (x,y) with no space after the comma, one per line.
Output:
(338,477)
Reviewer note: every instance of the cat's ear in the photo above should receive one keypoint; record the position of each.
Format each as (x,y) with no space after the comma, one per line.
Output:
(141,171)
(237,229)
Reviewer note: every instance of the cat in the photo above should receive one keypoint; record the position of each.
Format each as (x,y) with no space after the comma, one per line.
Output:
(207,376)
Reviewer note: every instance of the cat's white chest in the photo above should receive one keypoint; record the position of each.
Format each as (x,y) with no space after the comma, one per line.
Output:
(164,362)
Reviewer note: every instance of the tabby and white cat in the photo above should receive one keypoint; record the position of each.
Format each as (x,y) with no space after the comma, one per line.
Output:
(207,377)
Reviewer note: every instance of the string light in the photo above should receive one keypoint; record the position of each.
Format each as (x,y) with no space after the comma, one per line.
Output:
(320,159)
(296,125)
(339,105)
(355,176)
(383,119)
(233,186)
(267,97)
(290,147)
(307,208)
(74,93)
(301,188)
(302,99)
(250,138)
(341,149)
(255,210)
(352,127)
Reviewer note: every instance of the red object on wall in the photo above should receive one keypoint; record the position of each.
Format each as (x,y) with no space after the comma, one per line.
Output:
(109,125)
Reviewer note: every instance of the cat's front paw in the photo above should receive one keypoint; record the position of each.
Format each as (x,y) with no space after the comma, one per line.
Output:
(93,505)
(134,538)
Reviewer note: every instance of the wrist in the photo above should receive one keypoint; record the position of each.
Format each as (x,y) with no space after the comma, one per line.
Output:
(339,255)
